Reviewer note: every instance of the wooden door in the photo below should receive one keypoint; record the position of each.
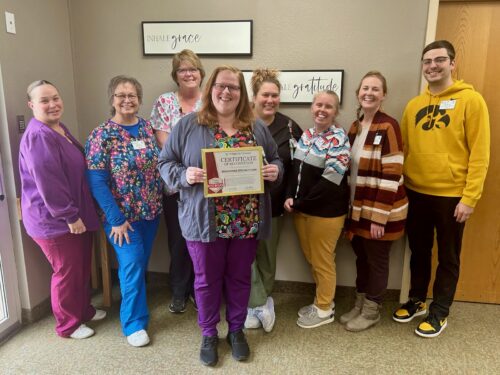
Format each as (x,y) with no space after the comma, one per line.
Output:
(474,29)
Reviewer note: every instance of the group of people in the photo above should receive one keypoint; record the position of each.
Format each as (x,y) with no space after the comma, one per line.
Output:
(372,181)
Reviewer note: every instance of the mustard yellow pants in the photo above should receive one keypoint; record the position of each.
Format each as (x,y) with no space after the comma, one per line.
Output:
(318,237)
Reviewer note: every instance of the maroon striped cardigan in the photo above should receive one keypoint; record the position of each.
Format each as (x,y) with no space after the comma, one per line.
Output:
(380,196)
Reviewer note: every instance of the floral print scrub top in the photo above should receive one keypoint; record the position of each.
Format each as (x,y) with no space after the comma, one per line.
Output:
(236,216)
(167,112)
(132,163)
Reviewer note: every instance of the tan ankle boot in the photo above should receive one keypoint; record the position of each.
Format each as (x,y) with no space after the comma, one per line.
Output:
(355,311)
(370,315)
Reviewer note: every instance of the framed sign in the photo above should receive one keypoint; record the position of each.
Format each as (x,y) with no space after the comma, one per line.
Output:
(232,171)
(202,37)
(299,86)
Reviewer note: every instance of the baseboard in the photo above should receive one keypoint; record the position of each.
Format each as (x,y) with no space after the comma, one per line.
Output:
(284,286)
(36,313)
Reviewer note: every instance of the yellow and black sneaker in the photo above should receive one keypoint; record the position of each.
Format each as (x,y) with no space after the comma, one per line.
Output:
(431,327)
(409,310)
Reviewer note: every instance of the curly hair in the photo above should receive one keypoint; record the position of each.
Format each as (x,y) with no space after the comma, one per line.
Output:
(262,75)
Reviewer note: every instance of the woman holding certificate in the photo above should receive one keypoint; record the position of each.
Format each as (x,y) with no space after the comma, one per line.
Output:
(266,100)
(318,195)
(221,232)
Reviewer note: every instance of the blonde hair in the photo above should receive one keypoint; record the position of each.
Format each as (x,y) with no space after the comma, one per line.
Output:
(190,57)
(331,93)
(262,75)
(208,114)
(33,85)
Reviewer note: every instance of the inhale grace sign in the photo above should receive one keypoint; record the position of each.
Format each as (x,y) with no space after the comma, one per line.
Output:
(202,37)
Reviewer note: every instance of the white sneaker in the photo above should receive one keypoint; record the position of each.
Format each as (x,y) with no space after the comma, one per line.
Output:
(266,314)
(138,338)
(252,322)
(82,332)
(99,315)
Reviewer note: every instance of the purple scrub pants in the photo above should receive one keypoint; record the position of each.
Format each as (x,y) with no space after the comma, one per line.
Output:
(222,268)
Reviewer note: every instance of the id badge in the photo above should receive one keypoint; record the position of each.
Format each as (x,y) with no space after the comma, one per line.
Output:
(447,104)
(138,145)
(377,139)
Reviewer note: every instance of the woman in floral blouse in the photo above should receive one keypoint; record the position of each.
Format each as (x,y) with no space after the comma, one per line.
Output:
(122,156)
(221,233)
(168,109)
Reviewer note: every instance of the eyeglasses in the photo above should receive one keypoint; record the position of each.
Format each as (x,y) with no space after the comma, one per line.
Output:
(183,72)
(438,60)
(221,87)
(130,97)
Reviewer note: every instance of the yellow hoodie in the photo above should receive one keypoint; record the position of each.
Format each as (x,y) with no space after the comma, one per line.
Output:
(447,143)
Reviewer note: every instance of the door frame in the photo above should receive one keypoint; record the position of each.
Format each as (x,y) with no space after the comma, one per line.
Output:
(11,288)
(430,36)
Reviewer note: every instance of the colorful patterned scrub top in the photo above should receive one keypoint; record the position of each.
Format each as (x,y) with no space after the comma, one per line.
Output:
(132,163)
(167,112)
(236,216)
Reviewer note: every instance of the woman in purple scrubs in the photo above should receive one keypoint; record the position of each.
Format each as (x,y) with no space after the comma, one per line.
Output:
(58,210)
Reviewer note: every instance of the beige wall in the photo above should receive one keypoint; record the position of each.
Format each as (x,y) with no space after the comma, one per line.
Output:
(356,36)
(41,49)
(100,39)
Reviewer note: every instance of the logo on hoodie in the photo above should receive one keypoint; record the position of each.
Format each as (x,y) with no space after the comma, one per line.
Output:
(433,117)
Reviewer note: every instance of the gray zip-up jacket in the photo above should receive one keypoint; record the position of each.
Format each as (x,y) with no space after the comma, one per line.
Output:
(183,150)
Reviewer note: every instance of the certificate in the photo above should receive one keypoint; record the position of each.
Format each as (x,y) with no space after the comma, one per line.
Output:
(233,171)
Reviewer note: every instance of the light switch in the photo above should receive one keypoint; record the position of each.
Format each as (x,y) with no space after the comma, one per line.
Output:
(10,22)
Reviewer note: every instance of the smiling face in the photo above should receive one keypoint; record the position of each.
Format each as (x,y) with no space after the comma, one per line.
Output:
(267,101)
(125,100)
(46,104)
(371,94)
(226,101)
(188,76)
(324,110)
(437,67)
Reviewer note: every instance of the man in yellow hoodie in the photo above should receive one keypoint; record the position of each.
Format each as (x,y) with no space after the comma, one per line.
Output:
(446,135)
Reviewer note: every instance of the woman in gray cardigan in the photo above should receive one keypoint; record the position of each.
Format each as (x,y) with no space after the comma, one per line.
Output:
(221,233)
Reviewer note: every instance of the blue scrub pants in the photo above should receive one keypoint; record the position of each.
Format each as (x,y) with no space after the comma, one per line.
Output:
(133,261)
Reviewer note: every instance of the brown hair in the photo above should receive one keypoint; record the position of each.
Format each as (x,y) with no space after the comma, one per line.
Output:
(262,75)
(208,114)
(118,80)
(440,44)
(371,73)
(190,57)
(33,85)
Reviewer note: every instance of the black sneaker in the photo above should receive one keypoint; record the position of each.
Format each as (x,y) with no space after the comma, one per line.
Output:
(177,305)
(239,345)
(431,326)
(208,351)
(409,310)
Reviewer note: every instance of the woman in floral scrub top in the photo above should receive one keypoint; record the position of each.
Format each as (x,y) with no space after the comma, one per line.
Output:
(122,157)
(168,109)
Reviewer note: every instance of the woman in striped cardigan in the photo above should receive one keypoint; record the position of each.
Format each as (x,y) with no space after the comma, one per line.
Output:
(378,199)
